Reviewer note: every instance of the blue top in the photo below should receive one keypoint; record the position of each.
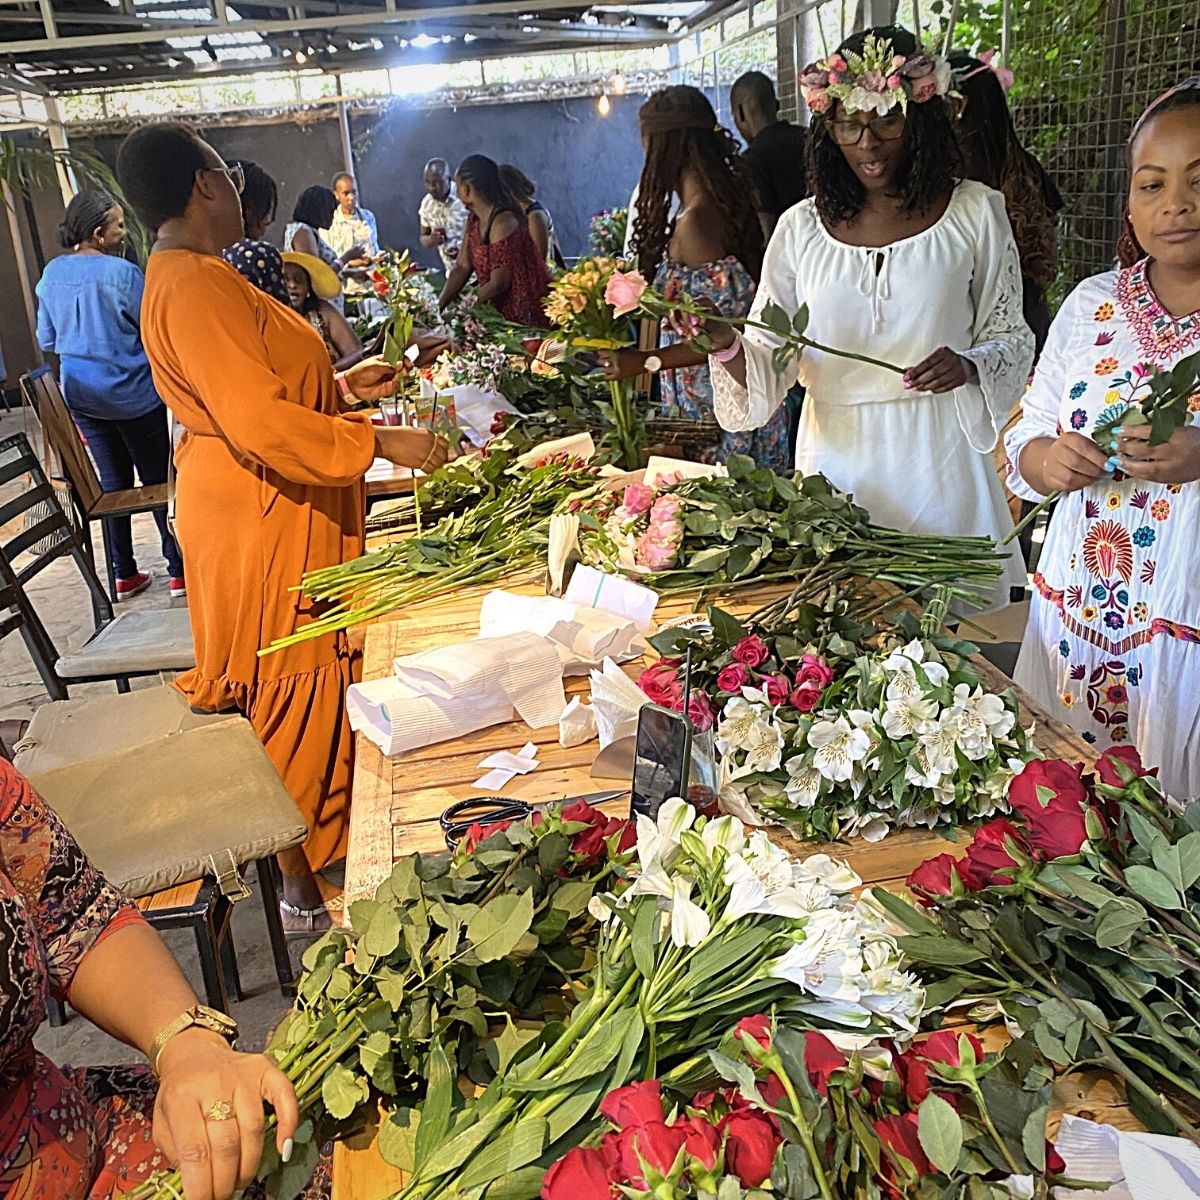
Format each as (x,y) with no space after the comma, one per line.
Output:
(90,316)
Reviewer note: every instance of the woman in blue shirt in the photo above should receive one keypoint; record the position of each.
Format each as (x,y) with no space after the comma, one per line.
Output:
(89,314)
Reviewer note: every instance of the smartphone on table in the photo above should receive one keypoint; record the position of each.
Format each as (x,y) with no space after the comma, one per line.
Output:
(661,760)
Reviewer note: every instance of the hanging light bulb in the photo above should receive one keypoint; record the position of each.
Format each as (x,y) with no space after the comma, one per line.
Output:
(301,57)
(618,84)
(603,107)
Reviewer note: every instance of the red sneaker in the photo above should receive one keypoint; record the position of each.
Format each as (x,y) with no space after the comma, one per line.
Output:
(178,587)
(134,585)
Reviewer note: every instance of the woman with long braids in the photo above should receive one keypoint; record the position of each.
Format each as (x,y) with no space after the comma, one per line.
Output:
(711,251)
(90,315)
(898,259)
(993,154)
(1113,641)
(497,249)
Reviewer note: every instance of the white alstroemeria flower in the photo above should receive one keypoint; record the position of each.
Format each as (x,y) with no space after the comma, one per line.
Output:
(653,881)
(804,782)
(907,659)
(828,962)
(833,873)
(935,754)
(726,833)
(828,1014)
(862,100)
(894,996)
(982,718)
(763,748)
(838,746)
(690,924)
(747,895)
(904,685)
(909,716)
(767,861)
(738,718)
(598,909)
(756,695)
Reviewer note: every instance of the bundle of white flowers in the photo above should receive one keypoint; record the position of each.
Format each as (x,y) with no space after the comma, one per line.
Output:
(903,738)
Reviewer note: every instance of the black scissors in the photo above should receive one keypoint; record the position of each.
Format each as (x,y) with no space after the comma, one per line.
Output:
(490,810)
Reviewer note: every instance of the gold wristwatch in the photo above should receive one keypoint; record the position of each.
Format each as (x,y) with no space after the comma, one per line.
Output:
(205,1018)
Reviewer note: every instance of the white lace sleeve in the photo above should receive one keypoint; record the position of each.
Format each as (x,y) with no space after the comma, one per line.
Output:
(1002,347)
(1040,407)
(740,408)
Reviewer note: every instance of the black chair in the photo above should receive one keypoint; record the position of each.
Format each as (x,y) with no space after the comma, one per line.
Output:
(139,643)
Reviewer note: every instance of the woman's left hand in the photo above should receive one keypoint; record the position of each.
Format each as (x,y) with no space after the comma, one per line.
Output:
(622,364)
(1175,461)
(943,371)
(371,379)
(217,1157)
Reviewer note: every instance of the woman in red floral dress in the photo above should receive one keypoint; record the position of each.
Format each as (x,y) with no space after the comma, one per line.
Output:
(94,1133)
(512,275)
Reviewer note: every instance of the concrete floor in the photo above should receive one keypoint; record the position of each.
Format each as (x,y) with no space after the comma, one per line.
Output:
(61,599)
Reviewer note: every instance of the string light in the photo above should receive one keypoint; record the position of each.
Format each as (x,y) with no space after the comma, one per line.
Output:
(301,57)
(603,107)
(618,84)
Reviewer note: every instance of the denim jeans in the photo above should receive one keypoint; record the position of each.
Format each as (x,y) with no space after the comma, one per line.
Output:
(118,448)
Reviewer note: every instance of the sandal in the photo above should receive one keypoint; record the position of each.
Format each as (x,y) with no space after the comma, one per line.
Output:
(310,917)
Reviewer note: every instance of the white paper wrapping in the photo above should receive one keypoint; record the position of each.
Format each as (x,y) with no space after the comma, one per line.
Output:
(1139,1166)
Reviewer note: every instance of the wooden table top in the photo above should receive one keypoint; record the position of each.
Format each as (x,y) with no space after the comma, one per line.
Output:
(397,802)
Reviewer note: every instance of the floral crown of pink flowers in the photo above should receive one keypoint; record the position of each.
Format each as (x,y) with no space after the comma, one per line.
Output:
(877,80)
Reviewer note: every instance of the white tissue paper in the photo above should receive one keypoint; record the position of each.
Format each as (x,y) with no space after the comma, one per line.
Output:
(616,701)
(444,693)
(503,766)
(577,445)
(660,468)
(1139,1166)
(584,635)
(475,410)
(577,724)
(613,594)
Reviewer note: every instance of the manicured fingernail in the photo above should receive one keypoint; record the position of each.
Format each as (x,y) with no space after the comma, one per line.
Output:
(286,1153)
(1113,463)
(1119,429)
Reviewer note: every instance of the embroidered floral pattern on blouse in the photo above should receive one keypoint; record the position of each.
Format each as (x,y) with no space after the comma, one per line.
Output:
(1106,366)
(1078,418)
(1104,312)
(1077,389)
(1158,333)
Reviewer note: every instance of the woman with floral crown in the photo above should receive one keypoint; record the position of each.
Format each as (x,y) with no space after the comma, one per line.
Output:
(1112,641)
(895,257)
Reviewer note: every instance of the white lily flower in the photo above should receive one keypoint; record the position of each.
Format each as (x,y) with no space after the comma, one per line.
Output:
(827,963)
(738,718)
(653,881)
(838,747)
(804,782)
(726,833)
(763,748)
(836,875)
(690,924)
(909,716)
(748,895)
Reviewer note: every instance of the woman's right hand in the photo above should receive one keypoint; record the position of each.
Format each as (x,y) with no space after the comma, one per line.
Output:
(407,446)
(689,326)
(623,364)
(1072,461)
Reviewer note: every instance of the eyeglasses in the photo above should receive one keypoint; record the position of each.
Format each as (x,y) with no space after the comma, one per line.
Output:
(237,176)
(887,128)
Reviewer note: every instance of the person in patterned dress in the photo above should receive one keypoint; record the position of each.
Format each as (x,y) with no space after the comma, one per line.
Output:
(710,251)
(90,1134)
(1111,644)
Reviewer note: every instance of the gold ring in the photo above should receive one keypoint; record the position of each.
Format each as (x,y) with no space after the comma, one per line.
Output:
(220,1110)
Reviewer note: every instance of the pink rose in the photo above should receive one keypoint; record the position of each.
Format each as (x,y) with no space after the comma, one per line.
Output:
(778,689)
(638,498)
(813,677)
(818,101)
(751,652)
(663,685)
(732,678)
(924,88)
(837,63)
(624,291)
(893,82)
(700,710)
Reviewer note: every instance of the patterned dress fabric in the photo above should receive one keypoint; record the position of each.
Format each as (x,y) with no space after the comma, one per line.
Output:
(261,263)
(688,392)
(526,295)
(1111,645)
(64,1134)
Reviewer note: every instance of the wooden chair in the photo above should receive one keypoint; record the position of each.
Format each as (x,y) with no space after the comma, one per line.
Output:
(90,502)
(139,643)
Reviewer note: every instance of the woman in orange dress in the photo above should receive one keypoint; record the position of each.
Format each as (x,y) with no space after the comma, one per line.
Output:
(270,485)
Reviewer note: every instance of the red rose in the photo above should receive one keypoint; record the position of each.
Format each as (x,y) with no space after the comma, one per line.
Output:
(581,1174)
(821,1059)
(581,812)
(758,1028)
(701,711)
(477,832)
(635,1104)
(589,846)
(806,697)
(732,678)
(627,831)
(988,861)
(778,689)
(663,685)
(1057,780)
(944,1047)
(898,1135)
(1055,1163)
(701,1140)
(532,345)
(750,1144)
(751,652)
(936,877)
(656,1144)
(1109,764)
(914,1078)
(772,1091)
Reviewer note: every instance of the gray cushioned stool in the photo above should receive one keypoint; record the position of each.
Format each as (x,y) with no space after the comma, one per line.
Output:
(133,643)
(163,799)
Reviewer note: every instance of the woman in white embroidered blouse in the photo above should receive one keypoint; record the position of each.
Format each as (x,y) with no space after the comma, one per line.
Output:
(1113,641)
(899,261)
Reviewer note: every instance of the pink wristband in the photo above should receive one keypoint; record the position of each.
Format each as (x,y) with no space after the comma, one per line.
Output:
(342,386)
(730,351)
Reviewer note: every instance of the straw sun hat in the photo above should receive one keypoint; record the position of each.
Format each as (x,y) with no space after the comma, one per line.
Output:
(322,277)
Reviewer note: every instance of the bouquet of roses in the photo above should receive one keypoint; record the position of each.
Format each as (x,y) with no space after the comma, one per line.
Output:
(450,946)
(1082,915)
(906,736)
(606,232)
(753,527)
(715,926)
(1166,400)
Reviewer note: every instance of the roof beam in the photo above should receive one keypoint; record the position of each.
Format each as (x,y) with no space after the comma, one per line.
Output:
(147,37)
(48,24)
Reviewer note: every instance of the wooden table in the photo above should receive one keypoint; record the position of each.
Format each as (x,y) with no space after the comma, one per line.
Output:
(397,802)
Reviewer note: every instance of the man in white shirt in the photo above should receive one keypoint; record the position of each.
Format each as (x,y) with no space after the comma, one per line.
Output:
(443,216)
